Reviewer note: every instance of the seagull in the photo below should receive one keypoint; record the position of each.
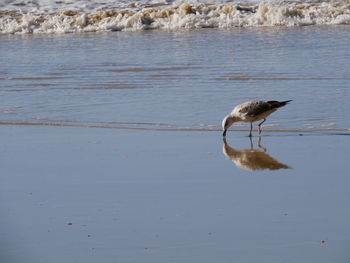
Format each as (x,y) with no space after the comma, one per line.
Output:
(252,111)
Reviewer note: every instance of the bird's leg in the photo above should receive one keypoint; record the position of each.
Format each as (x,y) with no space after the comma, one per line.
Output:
(251,128)
(259,128)
(251,143)
(260,146)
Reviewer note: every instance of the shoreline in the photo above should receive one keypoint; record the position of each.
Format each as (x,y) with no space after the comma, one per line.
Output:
(71,124)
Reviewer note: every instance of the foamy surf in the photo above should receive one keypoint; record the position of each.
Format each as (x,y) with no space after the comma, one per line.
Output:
(39,17)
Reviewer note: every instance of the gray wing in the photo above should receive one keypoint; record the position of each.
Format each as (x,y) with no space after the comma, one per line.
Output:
(254,108)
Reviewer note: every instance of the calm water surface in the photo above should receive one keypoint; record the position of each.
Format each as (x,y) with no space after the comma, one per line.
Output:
(111,149)
(183,79)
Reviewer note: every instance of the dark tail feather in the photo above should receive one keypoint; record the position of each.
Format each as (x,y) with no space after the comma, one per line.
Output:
(278,104)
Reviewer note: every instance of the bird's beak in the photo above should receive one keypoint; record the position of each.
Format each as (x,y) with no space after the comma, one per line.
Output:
(224,134)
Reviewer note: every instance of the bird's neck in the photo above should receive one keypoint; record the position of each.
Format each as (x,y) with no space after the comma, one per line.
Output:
(233,119)
(230,120)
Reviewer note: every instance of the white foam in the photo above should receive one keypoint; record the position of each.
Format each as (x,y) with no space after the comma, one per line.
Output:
(45,16)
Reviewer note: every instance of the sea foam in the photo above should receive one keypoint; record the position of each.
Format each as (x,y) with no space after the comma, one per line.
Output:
(39,16)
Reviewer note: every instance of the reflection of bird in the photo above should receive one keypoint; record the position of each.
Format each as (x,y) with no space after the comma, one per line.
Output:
(251,159)
(251,111)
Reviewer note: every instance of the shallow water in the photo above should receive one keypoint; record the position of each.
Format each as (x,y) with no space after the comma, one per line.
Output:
(180,79)
(112,151)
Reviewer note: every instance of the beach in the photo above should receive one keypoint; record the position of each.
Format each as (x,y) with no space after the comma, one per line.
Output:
(87,195)
(112,147)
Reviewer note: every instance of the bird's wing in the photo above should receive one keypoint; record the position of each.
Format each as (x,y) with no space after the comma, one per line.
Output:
(254,108)
(277,104)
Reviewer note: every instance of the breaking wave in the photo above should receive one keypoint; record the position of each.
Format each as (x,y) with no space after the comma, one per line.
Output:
(174,16)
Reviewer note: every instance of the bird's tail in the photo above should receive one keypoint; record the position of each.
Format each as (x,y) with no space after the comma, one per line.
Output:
(278,104)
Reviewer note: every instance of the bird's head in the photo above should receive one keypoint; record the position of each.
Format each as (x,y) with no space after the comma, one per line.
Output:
(227,122)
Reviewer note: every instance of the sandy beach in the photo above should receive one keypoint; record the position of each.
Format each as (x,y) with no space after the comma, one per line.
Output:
(111,142)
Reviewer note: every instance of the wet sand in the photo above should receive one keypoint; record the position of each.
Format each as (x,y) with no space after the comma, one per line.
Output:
(112,150)
(77,194)
(164,127)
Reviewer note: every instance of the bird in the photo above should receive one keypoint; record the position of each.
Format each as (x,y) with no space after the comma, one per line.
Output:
(252,111)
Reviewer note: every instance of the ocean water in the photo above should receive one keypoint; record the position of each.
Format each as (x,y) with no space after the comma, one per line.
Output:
(112,147)
(177,80)
(43,16)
